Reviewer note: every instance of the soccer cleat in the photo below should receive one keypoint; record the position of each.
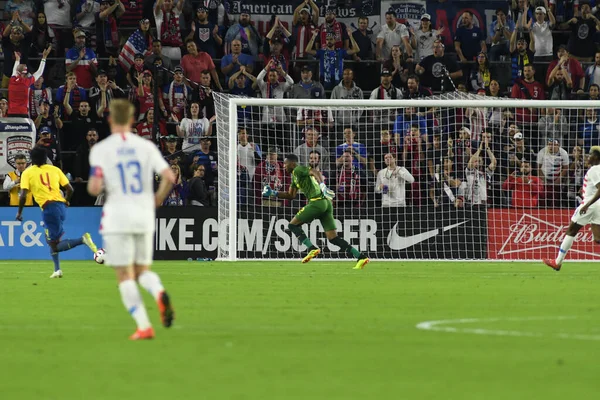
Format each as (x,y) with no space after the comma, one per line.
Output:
(360,264)
(57,274)
(87,240)
(312,254)
(552,264)
(143,334)
(167,314)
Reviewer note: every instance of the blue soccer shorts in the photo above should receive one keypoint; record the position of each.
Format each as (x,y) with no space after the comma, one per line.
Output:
(54,215)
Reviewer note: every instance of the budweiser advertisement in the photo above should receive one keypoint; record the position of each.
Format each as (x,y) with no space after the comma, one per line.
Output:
(533,234)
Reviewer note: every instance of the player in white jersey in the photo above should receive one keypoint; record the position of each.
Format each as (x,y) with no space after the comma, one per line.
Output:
(588,211)
(123,166)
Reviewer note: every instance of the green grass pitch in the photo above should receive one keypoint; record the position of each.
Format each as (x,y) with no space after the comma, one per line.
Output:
(284,330)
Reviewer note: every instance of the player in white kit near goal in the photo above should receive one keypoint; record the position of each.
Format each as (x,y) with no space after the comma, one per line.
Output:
(123,166)
(588,211)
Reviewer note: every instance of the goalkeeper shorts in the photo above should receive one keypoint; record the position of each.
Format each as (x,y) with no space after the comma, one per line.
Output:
(319,209)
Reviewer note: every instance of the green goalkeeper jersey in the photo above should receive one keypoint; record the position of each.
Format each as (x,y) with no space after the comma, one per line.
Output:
(306,183)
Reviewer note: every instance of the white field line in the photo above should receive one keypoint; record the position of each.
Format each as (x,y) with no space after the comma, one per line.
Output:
(449,326)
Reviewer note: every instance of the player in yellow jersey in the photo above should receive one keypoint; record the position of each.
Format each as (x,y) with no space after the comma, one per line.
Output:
(45,181)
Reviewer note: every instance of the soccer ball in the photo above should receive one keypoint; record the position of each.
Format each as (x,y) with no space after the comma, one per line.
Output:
(99,256)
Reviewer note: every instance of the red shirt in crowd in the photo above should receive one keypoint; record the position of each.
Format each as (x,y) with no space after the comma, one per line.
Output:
(525,190)
(18,93)
(194,65)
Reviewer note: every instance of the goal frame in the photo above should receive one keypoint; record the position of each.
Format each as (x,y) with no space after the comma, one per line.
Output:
(234,102)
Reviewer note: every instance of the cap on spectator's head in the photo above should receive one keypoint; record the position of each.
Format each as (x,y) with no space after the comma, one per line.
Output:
(17,29)
(147,72)
(306,68)
(563,47)
(3,100)
(272,150)
(331,10)
(466,130)
(518,136)
(275,39)
(306,10)
(45,131)
(178,68)
(101,72)
(553,141)
(522,39)
(78,33)
(540,10)
(385,72)
(205,139)
(44,101)
(426,16)
(138,56)
(144,21)
(171,138)
(202,8)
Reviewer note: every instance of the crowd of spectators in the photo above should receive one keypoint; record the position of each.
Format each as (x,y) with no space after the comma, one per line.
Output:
(169,57)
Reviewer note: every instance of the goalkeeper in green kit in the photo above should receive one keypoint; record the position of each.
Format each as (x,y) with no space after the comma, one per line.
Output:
(310,182)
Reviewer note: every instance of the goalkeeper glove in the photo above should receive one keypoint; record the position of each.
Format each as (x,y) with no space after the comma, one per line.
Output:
(268,192)
(327,193)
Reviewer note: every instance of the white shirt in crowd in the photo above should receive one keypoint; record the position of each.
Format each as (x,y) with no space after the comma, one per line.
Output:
(591,179)
(273,114)
(474,188)
(193,129)
(395,179)
(128,164)
(58,12)
(425,43)
(542,34)
(89,18)
(552,163)
(392,37)
(246,156)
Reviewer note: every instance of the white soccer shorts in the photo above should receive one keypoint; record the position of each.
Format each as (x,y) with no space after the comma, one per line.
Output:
(125,249)
(592,216)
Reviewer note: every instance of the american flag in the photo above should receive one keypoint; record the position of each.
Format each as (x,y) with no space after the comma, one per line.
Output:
(136,43)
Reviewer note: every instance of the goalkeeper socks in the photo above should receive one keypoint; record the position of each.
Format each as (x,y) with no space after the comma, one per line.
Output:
(150,281)
(299,233)
(56,262)
(68,244)
(345,247)
(564,248)
(132,300)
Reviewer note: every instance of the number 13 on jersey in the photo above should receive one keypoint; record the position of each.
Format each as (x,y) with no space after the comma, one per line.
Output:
(131,179)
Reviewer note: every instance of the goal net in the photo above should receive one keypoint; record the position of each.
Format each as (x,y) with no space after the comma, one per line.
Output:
(459,176)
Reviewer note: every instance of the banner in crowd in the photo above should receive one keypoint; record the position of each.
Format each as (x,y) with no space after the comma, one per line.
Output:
(420,233)
(261,12)
(533,234)
(17,135)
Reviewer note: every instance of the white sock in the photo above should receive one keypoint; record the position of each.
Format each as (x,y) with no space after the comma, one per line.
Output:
(150,281)
(132,299)
(564,248)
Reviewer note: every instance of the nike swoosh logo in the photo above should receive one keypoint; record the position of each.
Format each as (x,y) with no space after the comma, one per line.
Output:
(397,242)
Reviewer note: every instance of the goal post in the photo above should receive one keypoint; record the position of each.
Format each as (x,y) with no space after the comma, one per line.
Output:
(452,177)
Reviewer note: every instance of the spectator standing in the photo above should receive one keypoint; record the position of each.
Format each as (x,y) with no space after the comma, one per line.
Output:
(82,61)
(468,40)
(311,143)
(499,33)
(81,166)
(542,33)
(178,193)
(571,66)
(358,151)
(249,153)
(159,60)
(397,64)
(590,131)
(424,37)
(379,147)
(49,142)
(82,121)
(559,84)
(204,95)
(40,35)
(273,89)
(271,172)
(58,15)
(132,14)
(364,58)
(520,55)
(392,33)
(331,60)
(473,190)
(583,29)
(193,128)
(481,75)
(525,187)
(25,9)
(13,42)
(246,33)
(232,62)
(204,33)
(70,95)
(194,63)
(592,73)
(438,70)
(85,14)
(385,91)
(304,25)
(332,26)
(576,174)
(242,84)
(303,89)
(166,15)
(47,119)
(518,153)
(38,92)
(391,183)
(553,125)
(350,186)
(12,182)
(137,45)
(107,31)
(145,95)
(553,166)
(19,84)
(102,93)
(176,95)
(197,193)
(347,89)
(527,88)
(145,128)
